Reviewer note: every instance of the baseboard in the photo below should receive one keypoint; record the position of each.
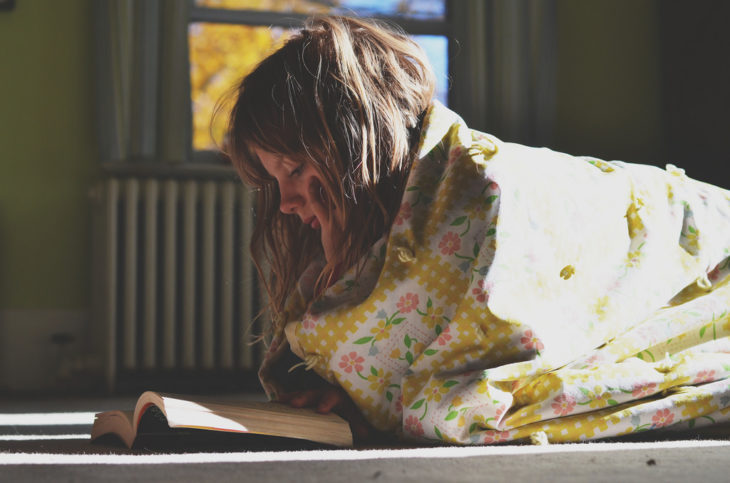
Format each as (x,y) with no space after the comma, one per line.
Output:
(44,351)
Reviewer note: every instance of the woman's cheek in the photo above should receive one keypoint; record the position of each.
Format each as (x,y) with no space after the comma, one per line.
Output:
(317,191)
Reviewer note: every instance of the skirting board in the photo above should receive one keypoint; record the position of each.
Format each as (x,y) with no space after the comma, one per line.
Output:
(40,350)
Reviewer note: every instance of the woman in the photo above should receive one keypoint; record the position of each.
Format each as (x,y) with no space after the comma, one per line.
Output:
(446,285)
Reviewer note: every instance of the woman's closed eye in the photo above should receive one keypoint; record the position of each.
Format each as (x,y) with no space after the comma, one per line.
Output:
(296,171)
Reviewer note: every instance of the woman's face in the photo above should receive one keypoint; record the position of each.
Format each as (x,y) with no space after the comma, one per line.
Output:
(301,189)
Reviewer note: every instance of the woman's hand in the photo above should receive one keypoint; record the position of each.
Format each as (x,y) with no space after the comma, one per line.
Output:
(331,399)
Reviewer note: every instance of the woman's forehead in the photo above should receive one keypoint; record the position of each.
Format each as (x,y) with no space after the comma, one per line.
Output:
(273,161)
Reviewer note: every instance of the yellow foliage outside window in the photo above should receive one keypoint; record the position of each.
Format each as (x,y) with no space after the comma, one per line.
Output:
(298,6)
(222,54)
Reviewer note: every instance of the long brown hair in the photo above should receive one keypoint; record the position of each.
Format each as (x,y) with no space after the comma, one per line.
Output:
(348,96)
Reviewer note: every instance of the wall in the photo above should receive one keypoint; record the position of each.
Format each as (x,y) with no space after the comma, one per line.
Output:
(609,89)
(47,157)
(696,73)
(609,104)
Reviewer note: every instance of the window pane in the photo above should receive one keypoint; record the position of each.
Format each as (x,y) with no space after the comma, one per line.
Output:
(297,6)
(220,55)
(437,50)
(415,9)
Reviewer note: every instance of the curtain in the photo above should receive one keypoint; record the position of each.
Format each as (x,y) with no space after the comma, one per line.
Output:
(142,80)
(504,67)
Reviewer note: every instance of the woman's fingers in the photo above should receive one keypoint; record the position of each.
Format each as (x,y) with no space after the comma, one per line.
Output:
(332,398)
(325,400)
(301,399)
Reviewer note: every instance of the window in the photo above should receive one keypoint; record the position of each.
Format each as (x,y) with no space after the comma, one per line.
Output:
(227,38)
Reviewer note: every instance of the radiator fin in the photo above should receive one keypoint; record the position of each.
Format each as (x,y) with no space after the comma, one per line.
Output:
(178,284)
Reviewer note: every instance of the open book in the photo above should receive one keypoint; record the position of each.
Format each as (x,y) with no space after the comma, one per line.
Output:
(164,413)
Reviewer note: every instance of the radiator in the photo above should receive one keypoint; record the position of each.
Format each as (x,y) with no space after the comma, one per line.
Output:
(174,284)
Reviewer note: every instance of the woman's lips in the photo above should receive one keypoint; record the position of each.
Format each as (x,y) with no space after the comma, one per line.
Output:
(313,222)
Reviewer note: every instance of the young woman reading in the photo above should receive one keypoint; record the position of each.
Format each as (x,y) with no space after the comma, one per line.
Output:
(438,283)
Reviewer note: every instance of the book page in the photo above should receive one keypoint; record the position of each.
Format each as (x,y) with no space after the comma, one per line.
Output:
(258,417)
(114,422)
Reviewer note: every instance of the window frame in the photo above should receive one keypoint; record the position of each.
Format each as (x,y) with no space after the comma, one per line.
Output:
(197,13)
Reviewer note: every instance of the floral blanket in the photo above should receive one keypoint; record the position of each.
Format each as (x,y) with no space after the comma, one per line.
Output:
(523,292)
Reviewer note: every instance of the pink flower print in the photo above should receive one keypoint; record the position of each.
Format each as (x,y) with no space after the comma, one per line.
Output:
(450,243)
(593,359)
(500,411)
(704,376)
(480,292)
(444,337)
(351,361)
(643,389)
(399,404)
(529,341)
(494,436)
(309,321)
(413,426)
(663,417)
(563,404)
(407,302)
(404,213)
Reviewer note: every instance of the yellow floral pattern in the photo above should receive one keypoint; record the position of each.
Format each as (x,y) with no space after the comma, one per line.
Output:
(528,294)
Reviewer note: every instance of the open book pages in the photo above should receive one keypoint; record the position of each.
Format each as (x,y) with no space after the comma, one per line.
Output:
(265,418)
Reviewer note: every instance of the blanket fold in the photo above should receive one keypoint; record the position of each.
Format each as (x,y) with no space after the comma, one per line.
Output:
(522,291)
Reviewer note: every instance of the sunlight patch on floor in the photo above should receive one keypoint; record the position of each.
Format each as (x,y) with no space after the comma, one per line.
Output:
(42,437)
(338,455)
(47,419)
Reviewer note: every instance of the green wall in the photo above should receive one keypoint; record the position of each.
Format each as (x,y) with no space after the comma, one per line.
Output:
(47,154)
(608,99)
(608,79)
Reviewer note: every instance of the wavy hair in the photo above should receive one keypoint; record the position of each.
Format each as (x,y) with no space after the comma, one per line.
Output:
(348,96)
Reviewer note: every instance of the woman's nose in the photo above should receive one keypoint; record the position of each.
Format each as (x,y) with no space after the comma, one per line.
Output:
(290,201)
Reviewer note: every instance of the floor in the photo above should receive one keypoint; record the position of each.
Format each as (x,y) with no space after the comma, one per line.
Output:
(48,440)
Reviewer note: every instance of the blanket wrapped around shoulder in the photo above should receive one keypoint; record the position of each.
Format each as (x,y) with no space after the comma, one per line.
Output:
(522,291)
